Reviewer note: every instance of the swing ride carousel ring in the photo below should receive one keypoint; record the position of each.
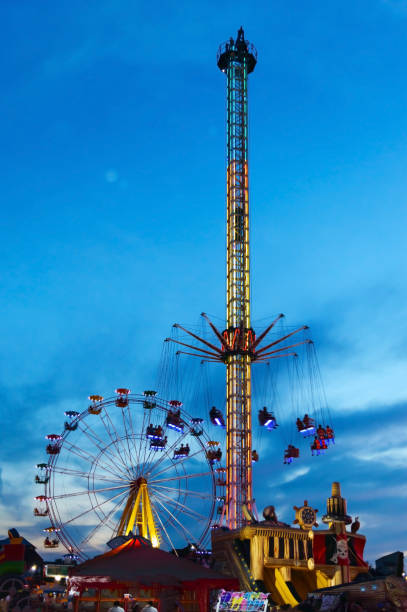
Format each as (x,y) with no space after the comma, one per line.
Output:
(129,464)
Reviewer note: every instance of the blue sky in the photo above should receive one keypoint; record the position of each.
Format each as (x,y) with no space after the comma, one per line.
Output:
(113,189)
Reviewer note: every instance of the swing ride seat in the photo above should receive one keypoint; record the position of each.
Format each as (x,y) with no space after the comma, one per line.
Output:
(51,543)
(291,453)
(255,456)
(147,405)
(216,417)
(267,419)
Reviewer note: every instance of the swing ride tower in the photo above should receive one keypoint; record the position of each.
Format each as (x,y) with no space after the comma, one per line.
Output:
(237,59)
(238,347)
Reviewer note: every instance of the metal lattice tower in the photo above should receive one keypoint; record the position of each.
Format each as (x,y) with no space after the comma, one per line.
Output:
(237,59)
(239,346)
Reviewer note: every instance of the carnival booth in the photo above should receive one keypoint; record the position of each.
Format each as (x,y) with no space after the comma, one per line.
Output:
(135,572)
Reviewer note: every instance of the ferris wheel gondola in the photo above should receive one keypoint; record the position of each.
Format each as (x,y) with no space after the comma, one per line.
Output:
(120,456)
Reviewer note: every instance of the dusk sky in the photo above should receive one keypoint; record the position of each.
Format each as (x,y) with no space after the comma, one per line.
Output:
(113,221)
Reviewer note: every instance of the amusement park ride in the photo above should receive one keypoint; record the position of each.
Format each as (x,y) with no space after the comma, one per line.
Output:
(141,464)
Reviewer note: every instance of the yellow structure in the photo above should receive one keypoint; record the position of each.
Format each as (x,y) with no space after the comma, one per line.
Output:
(273,557)
(138,516)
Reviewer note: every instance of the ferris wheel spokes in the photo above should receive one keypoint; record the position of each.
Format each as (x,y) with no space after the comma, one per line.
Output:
(103,521)
(188,511)
(193,493)
(86,492)
(115,440)
(110,457)
(175,522)
(104,459)
(71,472)
(179,462)
(93,508)
(188,476)
(82,454)
(169,450)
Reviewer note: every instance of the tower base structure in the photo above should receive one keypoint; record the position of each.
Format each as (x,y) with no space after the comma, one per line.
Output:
(289,562)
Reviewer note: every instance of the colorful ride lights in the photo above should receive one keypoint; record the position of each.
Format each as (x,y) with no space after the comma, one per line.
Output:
(51,529)
(182,451)
(41,509)
(326,434)
(196,427)
(267,419)
(214,452)
(69,425)
(154,432)
(53,447)
(173,421)
(122,401)
(291,453)
(95,407)
(306,426)
(42,476)
(158,444)
(220,477)
(318,447)
(216,417)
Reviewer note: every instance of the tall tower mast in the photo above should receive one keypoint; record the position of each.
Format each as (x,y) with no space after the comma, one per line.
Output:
(238,345)
(237,58)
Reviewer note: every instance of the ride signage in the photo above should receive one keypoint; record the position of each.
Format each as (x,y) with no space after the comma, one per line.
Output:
(242,601)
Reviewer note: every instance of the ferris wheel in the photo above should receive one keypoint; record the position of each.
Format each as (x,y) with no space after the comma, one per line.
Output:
(125,465)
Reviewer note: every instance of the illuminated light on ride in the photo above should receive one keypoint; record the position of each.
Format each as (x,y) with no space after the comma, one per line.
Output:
(214,452)
(158,444)
(53,437)
(182,451)
(41,509)
(173,421)
(175,403)
(267,419)
(118,471)
(51,529)
(154,433)
(96,398)
(318,447)
(196,429)
(220,476)
(95,407)
(306,426)
(72,414)
(149,393)
(216,417)
(122,401)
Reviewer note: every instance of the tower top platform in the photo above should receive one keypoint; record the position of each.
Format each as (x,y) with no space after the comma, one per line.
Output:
(237,50)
